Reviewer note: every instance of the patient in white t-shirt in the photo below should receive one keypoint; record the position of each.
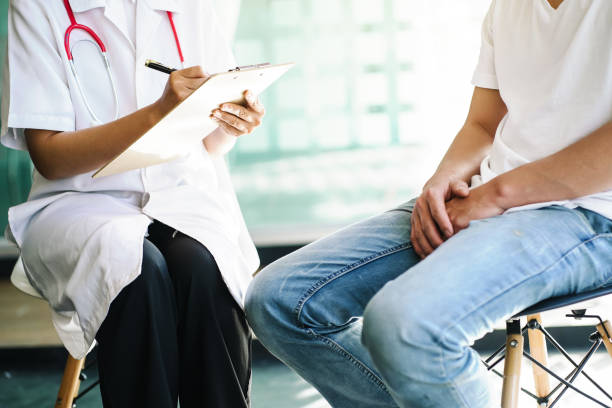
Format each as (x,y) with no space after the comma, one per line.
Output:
(383,312)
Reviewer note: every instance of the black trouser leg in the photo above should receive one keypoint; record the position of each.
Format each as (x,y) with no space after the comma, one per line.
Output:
(213,336)
(138,353)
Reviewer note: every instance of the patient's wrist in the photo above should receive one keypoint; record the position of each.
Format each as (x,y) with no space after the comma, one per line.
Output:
(502,192)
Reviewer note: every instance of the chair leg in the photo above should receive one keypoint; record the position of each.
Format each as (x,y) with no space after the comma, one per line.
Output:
(537,349)
(70,383)
(606,339)
(512,365)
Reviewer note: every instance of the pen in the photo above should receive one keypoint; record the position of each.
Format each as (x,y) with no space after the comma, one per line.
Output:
(159,66)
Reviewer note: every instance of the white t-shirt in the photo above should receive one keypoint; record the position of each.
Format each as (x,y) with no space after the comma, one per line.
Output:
(553,69)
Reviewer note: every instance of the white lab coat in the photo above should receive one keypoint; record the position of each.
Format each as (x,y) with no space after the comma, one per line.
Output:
(81,239)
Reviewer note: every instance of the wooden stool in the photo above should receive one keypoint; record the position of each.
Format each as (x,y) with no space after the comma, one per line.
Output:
(73,375)
(537,337)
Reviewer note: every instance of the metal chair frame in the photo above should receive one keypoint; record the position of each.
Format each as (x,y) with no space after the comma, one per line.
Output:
(538,336)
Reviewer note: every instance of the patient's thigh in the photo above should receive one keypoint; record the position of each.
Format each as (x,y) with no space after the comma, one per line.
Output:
(331,280)
(498,267)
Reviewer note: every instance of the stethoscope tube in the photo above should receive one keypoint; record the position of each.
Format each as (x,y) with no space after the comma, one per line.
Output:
(76,26)
(95,118)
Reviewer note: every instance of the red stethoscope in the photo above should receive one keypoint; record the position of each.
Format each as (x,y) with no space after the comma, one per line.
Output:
(75,26)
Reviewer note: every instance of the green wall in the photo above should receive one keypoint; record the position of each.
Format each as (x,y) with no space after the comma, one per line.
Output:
(15,166)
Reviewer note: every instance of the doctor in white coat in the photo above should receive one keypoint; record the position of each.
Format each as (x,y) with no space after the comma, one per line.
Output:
(153,263)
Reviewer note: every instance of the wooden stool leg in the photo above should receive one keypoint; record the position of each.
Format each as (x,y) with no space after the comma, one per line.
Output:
(512,365)
(606,339)
(537,349)
(70,383)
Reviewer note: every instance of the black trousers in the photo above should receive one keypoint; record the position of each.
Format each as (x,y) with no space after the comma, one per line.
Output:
(175,333)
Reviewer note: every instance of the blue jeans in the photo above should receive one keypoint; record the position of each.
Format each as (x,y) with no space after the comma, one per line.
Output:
(369,324)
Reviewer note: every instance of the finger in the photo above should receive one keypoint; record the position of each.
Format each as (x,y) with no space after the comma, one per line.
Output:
(424,245)
(460,188)
(227,128)
(460,222)
(429,227)
(193,83)
(233,121)
(243,113)
(193,72)
(254,102)
(437,209)
(413,239)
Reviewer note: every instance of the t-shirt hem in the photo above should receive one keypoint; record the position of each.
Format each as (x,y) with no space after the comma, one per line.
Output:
(487,81)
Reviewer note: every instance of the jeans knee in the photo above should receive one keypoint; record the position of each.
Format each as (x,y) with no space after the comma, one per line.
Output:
(399,332)
(266,303)
(382,325)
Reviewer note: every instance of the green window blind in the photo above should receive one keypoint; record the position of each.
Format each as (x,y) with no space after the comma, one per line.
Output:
(15,166)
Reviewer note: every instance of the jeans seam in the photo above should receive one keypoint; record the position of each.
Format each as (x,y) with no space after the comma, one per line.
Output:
(357,363)
(543,270)
(445,332)
(458,395)
(343,271)
(585,221)
(401,210)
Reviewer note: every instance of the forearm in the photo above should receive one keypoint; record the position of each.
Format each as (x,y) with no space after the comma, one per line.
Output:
(581,169)
(66,154)
(463,158)
(219,142)
(474,140)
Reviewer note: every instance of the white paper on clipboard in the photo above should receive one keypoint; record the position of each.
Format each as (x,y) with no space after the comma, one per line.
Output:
(183,128)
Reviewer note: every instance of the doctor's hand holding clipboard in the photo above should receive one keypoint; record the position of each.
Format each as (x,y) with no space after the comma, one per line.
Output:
(65,154)
(235,120)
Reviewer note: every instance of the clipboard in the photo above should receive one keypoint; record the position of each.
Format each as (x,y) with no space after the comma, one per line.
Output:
(180,131)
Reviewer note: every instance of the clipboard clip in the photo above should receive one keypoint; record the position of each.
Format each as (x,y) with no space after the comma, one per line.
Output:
(255,66)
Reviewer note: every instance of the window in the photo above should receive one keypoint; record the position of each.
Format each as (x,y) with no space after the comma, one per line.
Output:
(380,89)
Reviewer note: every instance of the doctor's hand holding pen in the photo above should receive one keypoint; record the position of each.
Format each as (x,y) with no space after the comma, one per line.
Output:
(234,120)
(65,154)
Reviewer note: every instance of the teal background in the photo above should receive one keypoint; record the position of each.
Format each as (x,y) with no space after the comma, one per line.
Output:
(354,129)
(331,143)
(15,166)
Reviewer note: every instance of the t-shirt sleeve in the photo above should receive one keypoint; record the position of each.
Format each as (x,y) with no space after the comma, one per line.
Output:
(35,91)
(484,75)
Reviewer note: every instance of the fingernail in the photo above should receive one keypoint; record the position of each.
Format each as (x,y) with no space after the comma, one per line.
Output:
(217,113)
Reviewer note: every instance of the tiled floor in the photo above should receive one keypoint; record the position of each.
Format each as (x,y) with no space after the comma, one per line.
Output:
(274,386)
(25,321)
